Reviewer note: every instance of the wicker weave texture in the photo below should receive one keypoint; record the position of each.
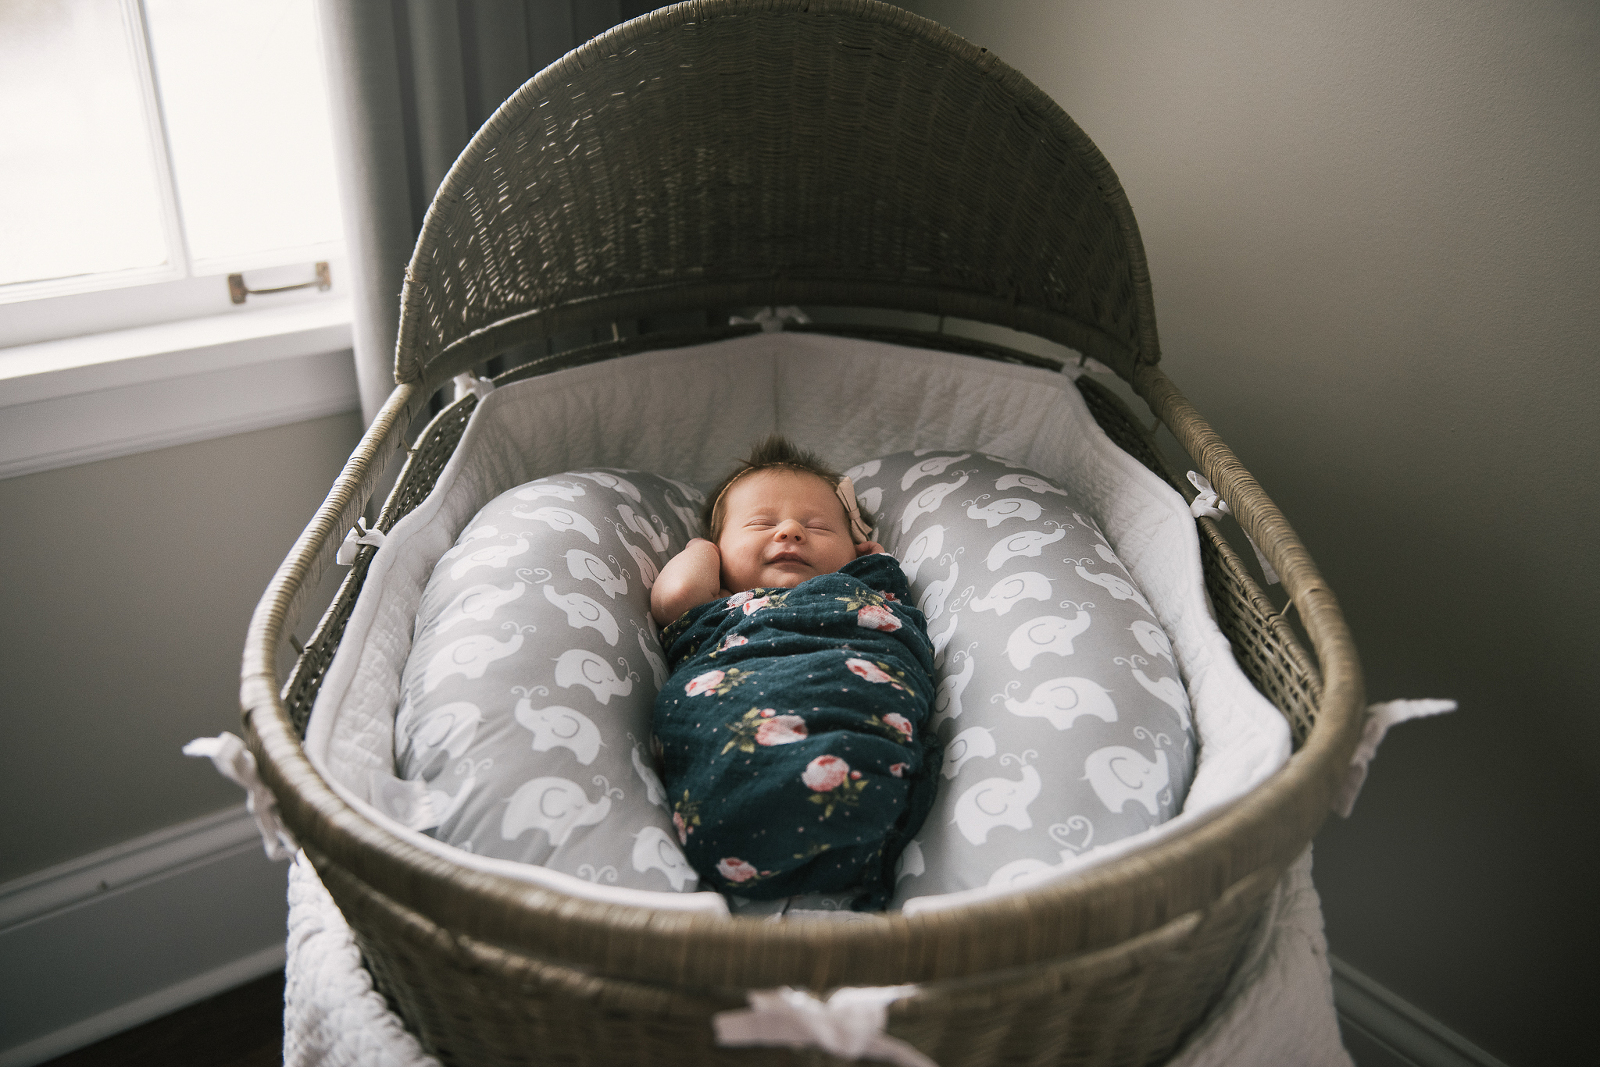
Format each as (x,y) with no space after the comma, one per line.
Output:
(777,152)
(1263,642)
(475,1003)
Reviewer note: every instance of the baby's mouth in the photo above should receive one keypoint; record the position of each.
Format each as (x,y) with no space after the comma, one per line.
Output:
(787,556)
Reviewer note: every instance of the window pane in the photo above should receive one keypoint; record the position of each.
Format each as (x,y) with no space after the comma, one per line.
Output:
(77,168)
(247,121)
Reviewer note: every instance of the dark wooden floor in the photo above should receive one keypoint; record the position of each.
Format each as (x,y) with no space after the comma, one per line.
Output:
(240,1028)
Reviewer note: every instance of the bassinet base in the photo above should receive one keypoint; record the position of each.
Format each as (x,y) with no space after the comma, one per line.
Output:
(1278,1007)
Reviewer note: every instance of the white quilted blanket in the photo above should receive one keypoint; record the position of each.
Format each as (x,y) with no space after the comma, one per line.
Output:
(1278,1009)
(331,1014)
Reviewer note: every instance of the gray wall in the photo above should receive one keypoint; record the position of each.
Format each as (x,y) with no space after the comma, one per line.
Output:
(1374,231)
(126,588)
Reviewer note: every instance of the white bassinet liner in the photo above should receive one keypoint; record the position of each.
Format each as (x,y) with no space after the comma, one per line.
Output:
(686,413)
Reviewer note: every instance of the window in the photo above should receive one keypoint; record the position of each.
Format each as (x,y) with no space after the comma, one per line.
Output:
(152,148)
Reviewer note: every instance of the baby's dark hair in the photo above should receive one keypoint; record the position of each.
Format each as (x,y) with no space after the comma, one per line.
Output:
(775,453)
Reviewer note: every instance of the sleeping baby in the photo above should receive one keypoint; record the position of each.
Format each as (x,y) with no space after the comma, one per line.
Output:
(792,732)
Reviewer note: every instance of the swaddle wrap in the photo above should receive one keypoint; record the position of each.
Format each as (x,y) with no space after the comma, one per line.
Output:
(793,734)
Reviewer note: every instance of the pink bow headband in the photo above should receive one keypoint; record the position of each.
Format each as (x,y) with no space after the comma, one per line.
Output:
(859,530)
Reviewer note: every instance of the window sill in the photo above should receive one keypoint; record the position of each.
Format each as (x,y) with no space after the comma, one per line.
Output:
(89,398)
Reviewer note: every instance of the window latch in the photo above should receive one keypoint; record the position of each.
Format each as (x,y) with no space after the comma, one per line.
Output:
(238,291)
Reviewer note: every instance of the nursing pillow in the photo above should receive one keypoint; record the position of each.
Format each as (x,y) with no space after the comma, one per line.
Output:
(523,727)
(525,709)
(1064,721)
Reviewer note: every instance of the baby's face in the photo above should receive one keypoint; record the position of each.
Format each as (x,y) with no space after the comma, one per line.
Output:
(780,528)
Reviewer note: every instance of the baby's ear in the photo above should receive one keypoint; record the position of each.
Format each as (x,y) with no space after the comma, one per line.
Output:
(868,548)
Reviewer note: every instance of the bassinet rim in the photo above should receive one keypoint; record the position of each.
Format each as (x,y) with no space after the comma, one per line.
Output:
(520,917)
(543,324)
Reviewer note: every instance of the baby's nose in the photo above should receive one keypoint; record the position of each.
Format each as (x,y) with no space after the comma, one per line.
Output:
(790,530)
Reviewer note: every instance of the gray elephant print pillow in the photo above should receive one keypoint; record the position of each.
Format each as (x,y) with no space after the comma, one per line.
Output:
(527,695)
(1065,721)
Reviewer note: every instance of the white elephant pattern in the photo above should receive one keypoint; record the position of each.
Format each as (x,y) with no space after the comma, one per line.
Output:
(561,519)
(516,699)
(935,466)
(477,604)
(1120,774)
(1151,638)
(925,546)
(653,850)
(995,834)
(927,500)
(585,566)
(996,802)
(971,743)
(647,566)
(468,657)
(654,792)
(947,692)
(556,806)
(1169,692)
(582,611)
(933,600)
(539,490)
(560,727)
(1047,633)
(1012,590)
(488,556)
(448,729)
(1117,587)
(579,666)
(1011,507)
(1023,543)
(1062,700)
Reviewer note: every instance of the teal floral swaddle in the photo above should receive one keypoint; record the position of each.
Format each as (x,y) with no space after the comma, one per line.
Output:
(793,734)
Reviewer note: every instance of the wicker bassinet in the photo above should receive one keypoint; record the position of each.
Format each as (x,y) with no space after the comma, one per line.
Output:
(736,153)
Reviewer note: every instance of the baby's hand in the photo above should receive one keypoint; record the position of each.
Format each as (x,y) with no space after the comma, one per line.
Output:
(691,578)
(868,548)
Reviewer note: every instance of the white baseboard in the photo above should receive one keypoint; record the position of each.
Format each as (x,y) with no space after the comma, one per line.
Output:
(113,939)
(1403,1029)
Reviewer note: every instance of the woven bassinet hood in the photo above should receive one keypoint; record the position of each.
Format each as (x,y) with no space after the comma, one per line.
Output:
(774,152)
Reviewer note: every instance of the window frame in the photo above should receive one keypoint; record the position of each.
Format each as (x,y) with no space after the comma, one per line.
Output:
(94,367)
(182,288)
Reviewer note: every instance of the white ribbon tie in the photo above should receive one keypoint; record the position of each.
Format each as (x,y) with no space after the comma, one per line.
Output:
(771,319)
(1208,505)
(466,382)
(238,764)
(353,542)
(1379,718)
(848,1025)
